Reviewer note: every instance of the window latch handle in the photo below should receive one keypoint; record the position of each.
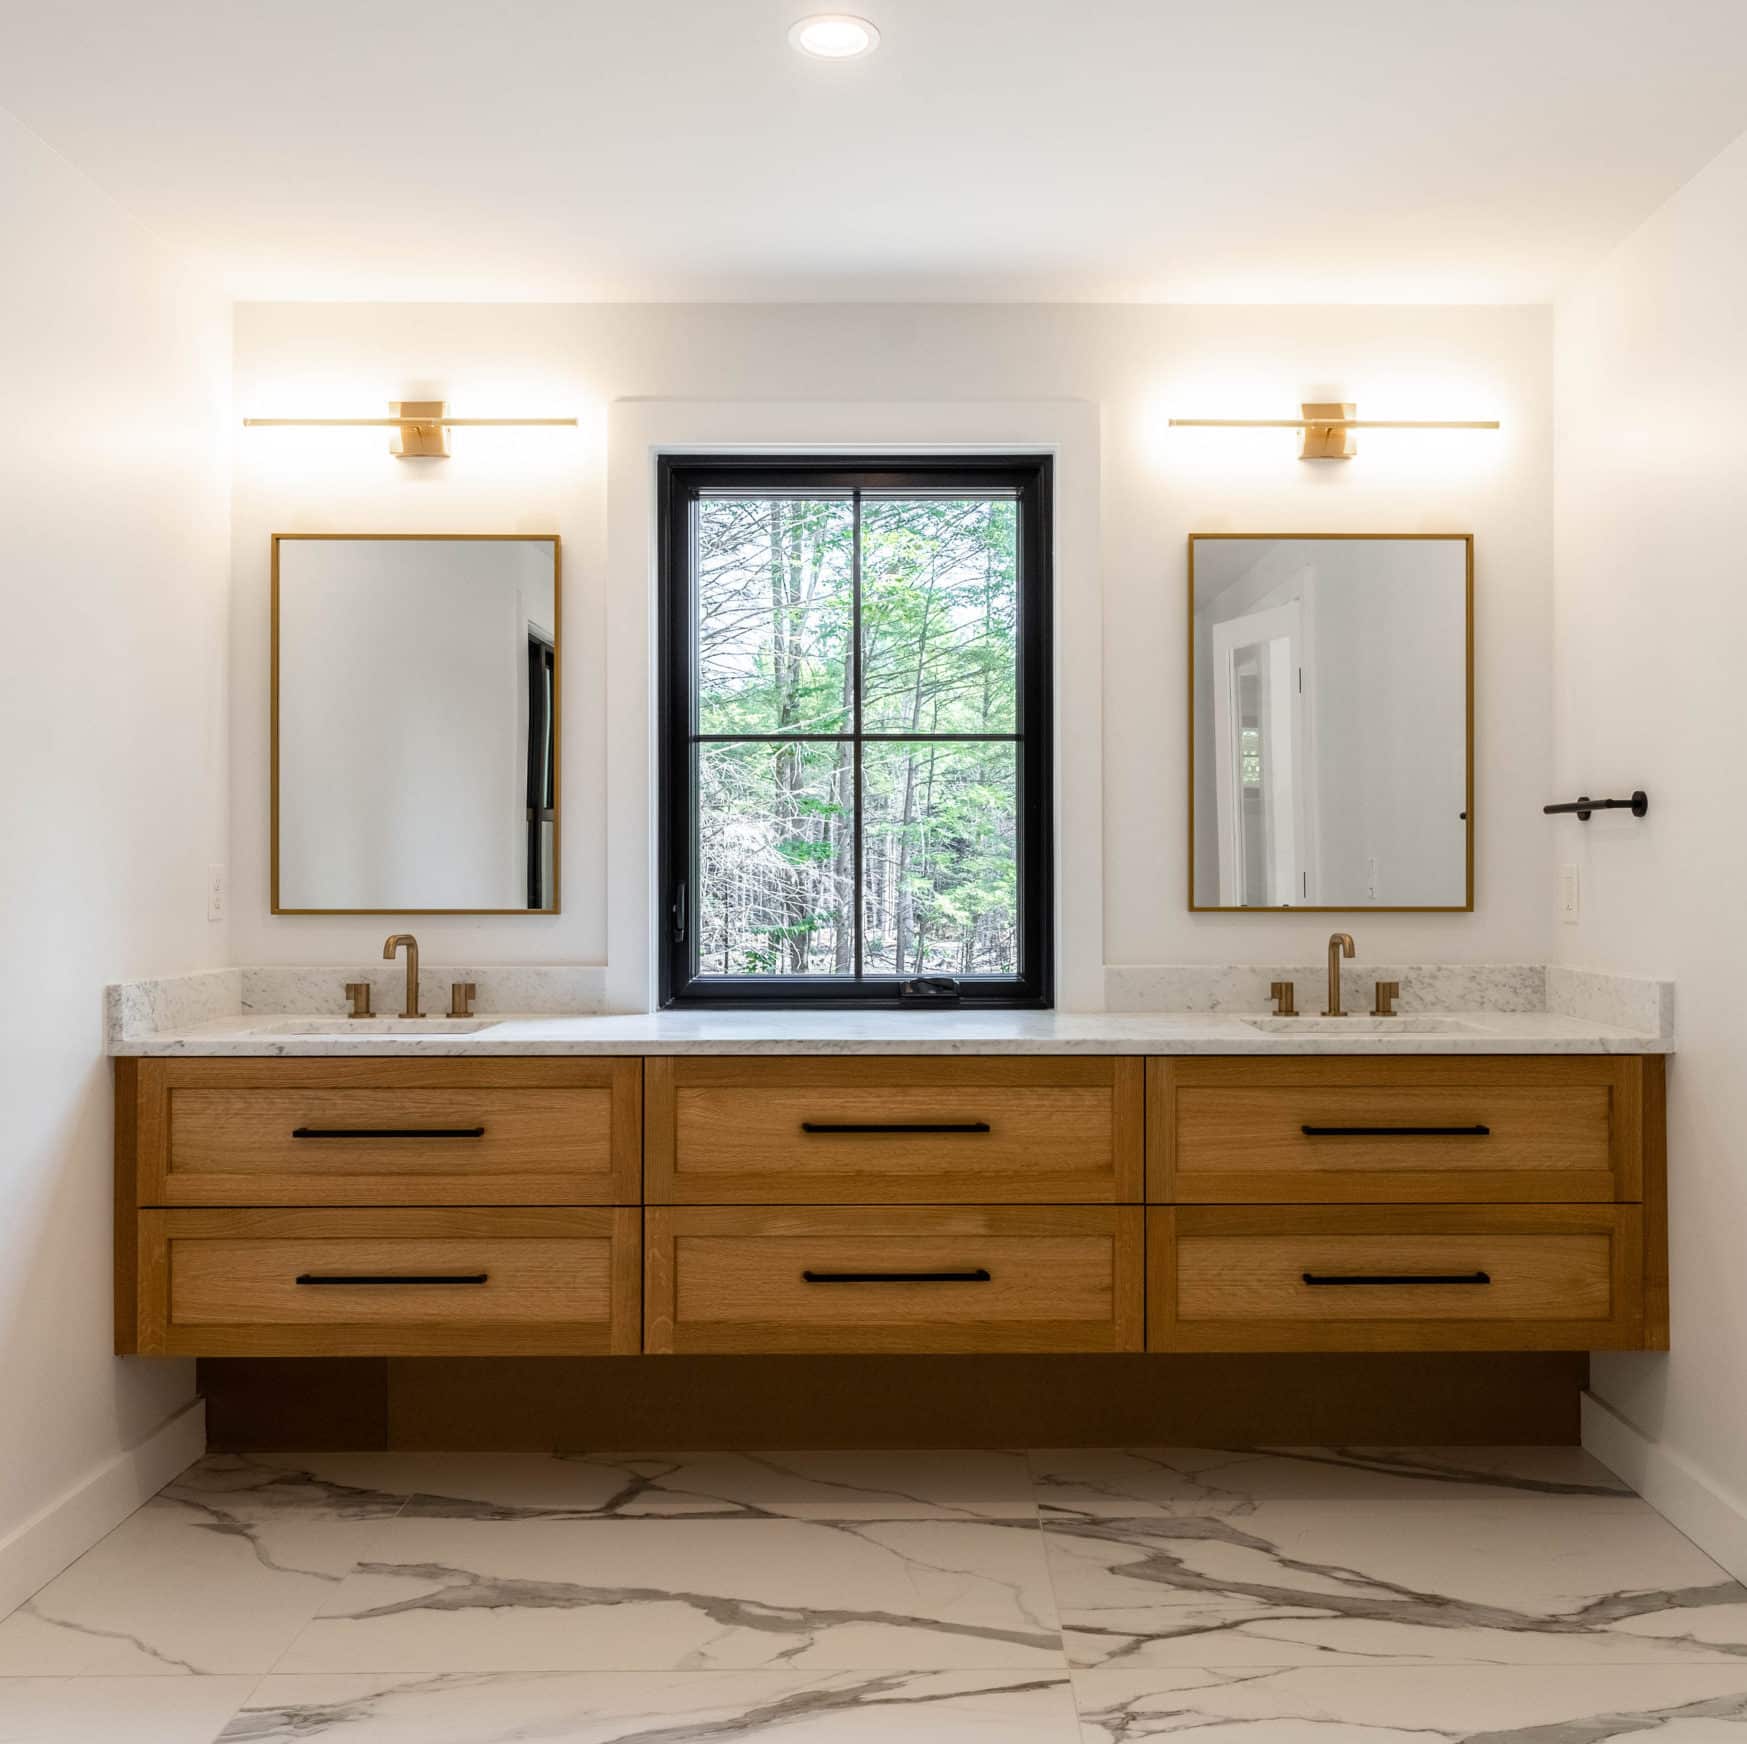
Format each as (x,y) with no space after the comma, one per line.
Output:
(678,912)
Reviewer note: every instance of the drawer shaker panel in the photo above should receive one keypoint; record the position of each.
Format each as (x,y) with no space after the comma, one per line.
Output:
(1395,1278)
(1368,1129)
(908,1280)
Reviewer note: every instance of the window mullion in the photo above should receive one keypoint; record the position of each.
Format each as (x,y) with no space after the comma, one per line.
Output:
(855,728)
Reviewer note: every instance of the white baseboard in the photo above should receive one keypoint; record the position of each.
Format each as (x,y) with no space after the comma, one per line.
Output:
(1713,1519)
(62,1532)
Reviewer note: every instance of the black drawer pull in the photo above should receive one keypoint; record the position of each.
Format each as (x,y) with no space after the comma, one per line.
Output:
(1399,1278)
(392,1278)
(1475,1131)
(895,1126)
(388,1132)
(979,1276)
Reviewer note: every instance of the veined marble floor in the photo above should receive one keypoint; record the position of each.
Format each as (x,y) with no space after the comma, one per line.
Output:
(1493,1596)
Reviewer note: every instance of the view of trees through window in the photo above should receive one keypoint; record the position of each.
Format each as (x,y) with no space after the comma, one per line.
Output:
(801,746)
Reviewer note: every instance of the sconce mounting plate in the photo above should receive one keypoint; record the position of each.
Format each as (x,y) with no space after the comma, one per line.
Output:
(421,441)
(1327,430)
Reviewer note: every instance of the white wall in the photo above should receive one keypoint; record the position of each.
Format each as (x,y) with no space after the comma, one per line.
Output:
(1651,618)
(1137,364)
(113,599)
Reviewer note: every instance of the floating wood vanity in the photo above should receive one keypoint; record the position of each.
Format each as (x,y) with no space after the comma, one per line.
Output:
(382,1206)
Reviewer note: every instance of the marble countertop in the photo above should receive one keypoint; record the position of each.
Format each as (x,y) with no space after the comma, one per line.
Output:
(266,1035)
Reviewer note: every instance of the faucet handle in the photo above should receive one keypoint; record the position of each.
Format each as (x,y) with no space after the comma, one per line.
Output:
(461,997)
(1387,994)
(1285,997)
(359,994)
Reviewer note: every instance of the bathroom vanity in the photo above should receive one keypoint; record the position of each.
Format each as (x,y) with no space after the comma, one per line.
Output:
(1012,1183)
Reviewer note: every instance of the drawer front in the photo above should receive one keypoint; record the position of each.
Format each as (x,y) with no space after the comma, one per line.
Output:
(862,1131)
(1521,1129)
(912,1280)
(385,1283)
(379,1132)
(1395,1278)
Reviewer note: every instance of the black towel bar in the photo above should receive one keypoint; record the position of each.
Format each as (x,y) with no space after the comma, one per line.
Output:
(1583,805)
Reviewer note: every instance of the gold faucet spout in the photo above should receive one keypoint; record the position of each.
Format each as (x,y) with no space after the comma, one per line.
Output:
(395,941)
(1339,945)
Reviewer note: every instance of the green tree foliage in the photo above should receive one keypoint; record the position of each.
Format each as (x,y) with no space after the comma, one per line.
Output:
(776,616)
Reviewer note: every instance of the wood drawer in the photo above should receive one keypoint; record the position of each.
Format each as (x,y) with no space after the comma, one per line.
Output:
(1356,1128)
(1507,1277)
(860,1131)
(382,1131)
(1066,1278)
(260,1283)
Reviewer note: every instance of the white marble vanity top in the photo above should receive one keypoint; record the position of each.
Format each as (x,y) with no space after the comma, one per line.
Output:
(258,1013)
(898,1032)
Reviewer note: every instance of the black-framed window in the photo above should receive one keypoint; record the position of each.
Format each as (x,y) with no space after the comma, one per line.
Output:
(855,708)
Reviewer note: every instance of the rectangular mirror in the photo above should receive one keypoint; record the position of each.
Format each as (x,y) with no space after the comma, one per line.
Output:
(1331,721)
(415,724)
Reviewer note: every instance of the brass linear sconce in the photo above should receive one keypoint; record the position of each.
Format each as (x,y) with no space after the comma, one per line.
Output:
(421,427)
(1328,427)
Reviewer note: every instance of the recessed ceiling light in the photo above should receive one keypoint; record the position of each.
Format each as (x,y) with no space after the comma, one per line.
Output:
(834,36)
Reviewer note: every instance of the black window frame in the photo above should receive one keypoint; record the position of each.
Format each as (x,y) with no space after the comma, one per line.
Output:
(681,480)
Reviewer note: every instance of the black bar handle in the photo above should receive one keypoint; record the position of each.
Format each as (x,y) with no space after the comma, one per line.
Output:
(392,1278)
(979,1276)
(388,1132)
(1398,1278)
(1475,1131)
(895,1126)
(1583,805)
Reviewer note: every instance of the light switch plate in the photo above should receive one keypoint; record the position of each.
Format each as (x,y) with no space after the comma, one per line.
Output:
(1568,895)
(215,892)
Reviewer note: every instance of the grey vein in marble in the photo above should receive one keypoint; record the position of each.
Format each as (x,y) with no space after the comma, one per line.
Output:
(1598,996)
(530,989)
(1515,1581)
(644,1708)
(660,1593)
(1231,989)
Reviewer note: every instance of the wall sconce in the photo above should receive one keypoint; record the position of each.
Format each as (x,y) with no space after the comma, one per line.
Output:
(1328,427)
(421,427)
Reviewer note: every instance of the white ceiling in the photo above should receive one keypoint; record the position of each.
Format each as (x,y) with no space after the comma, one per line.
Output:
(1180,150)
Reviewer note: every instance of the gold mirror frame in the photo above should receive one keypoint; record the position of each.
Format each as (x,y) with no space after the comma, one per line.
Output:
(552,539)
(1466,907)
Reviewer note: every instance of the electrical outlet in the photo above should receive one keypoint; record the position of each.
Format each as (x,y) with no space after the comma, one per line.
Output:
(215,892)
(1568,899)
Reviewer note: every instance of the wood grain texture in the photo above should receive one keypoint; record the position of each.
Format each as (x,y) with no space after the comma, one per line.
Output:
(219,1132)
(1229,1131)
(731,1131)
(126,1244)
(1655,1154)
(1563,1277)
(725,1279)
(224,1282)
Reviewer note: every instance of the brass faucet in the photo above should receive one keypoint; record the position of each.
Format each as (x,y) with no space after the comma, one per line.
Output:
(1339,945)
(396,940)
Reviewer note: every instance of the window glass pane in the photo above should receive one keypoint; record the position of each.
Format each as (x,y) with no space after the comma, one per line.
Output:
(776,835)
(939,614)
(775,614)
(940,834)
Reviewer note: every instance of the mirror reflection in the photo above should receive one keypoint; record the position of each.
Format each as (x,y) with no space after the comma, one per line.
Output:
(415,724)
(1331,757)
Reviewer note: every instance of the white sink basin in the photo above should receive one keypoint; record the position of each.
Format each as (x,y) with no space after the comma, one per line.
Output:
(1360,1026)
(382,1026)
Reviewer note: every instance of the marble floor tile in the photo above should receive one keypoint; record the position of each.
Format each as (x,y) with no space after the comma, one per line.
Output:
(118,1710)
(1515,1704)
(826,1486)
(658,1594)
(1190,1480)
(191,1584)
(1513,1582)
(688,1707)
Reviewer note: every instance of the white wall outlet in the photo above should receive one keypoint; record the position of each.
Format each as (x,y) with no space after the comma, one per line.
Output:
(1568,895)
(215,892)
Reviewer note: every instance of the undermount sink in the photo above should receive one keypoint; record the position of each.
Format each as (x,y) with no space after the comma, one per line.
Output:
(1358,1025)
(382,1026)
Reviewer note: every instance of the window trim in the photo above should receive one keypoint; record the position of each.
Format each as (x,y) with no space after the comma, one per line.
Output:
(680,479)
